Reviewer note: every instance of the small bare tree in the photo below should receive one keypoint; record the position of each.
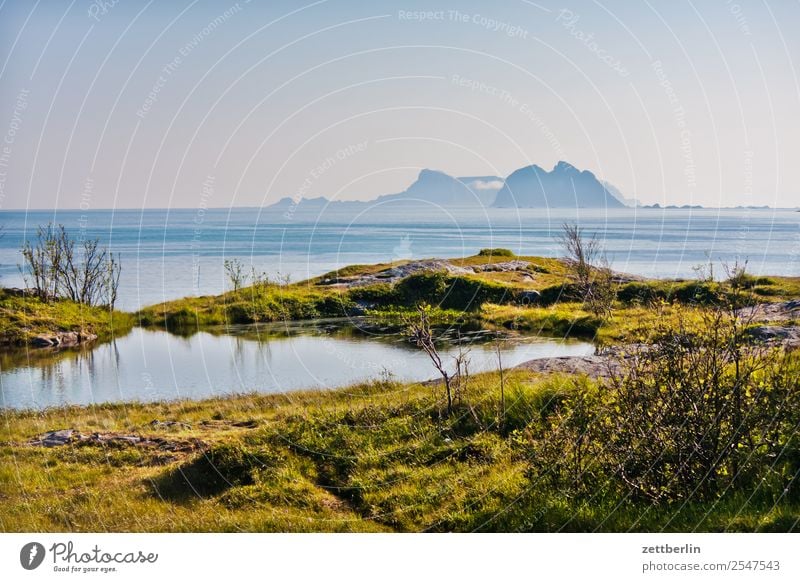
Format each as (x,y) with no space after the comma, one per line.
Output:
(234,269)
(113,272)
(735,299)
(502,422)
(456,383)
(40,269)
(57,267)
(90,276)
(589,269)
(421,334)
(705,271)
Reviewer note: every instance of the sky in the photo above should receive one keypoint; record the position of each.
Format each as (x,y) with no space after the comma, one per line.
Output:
(134,104)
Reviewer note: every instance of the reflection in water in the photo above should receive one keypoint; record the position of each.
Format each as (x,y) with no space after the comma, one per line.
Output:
(149,365)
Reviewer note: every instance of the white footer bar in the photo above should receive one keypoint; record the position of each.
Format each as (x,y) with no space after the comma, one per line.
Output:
(411,557)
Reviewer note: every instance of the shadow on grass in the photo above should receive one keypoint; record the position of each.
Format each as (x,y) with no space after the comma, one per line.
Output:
(210,473)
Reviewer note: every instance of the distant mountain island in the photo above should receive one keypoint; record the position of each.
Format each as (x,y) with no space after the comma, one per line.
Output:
(430,187)
(437,187)
(564,186)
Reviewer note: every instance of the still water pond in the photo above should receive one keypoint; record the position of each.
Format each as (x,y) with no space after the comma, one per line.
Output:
(148,365)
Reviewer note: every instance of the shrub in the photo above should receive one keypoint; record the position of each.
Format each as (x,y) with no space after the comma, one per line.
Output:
(334,306)
(639,292)
(698,292)
(182,319)
(379,294)
(767,291)
(566,292)
(464,293)
(699,412)
(739,278)
(496,253)
(429,286)
(589,270)
(461,293)
(234,270)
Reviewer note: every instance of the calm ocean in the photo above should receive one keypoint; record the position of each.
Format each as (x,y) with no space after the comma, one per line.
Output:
(168,254)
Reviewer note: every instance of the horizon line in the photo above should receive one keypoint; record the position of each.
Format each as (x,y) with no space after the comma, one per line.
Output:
(206,208)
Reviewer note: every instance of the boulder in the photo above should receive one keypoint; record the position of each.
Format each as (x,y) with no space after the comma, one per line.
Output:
(55,438)
(62,339)
(42,341)
(781,311)
(786,335)
(528,296)
(596,366)
(504,267)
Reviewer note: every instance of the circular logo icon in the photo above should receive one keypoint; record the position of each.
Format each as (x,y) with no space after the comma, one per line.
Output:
(31,555)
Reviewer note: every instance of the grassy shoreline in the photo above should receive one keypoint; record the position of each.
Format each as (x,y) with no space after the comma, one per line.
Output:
(524,451)
(372,457)
(500,298)
(496,298)
(24,318)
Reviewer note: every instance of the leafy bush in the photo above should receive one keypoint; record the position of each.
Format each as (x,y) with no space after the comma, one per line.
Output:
(465,293)
(698,292)
(334,306)
(767,291)
(379,294)
(565,292)
(496,253)
(694,415)
(640,292)
(437,288)
(429,286)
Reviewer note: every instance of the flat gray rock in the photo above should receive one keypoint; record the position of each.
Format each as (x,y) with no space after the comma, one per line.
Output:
(782,311)
(54,438)
(596,366)
(395,274)
(787,335)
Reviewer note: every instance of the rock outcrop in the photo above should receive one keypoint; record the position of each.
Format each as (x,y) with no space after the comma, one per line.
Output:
(395,274)
(781,311)
(69,436)
(785,335)
(62,339)
(595,366)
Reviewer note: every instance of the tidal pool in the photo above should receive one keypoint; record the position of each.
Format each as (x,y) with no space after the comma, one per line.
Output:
(150,365)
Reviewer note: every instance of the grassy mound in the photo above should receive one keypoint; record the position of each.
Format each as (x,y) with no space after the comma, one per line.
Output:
(25,317)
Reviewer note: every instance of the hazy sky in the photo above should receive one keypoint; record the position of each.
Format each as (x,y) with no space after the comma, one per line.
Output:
(136,104)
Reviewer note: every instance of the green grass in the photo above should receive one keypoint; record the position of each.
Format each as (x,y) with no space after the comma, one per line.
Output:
(373,457)
(315,298)
(473,296)
(561,320)
(23,318)
(757,289)
(265,303)
(496,297)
